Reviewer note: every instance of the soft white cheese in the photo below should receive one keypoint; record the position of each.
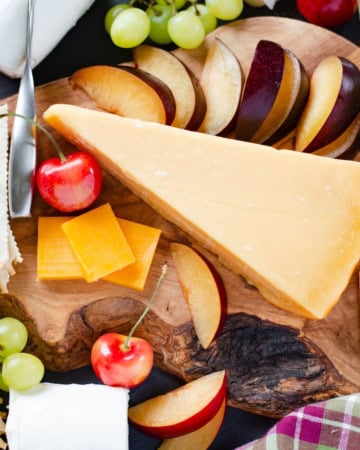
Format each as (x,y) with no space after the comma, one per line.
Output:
(68,417)
(9,251)
(52,20)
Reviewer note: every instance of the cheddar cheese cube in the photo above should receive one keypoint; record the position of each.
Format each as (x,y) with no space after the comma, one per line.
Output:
(56,260)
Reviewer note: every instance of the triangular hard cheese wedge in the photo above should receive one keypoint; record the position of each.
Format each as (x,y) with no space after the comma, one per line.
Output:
(288,222)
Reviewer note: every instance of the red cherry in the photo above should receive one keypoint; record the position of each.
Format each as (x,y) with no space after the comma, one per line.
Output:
(119,364)
(69,183)
(327,13)
(125,361)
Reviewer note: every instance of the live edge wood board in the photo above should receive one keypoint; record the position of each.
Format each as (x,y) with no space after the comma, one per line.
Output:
(275,361)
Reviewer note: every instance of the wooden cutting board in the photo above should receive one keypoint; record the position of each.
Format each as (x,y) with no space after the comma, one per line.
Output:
(275,361)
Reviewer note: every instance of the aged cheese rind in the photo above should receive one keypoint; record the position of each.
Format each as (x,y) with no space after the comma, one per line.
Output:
(286,221)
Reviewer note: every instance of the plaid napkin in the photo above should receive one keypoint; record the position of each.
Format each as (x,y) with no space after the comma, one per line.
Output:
(327,425)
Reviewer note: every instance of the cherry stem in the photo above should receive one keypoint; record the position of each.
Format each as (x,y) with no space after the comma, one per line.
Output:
(126,345)
(41,128)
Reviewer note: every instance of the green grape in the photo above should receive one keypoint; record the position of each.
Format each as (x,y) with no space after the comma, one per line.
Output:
(21,371)
(186,30)
(13,336)
(207,19)
(159,16)
(112,13)
(130,28)
(225,9)
(179,4)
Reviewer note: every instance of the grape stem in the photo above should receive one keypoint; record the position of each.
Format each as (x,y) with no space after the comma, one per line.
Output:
(197,12)
(41,128)
(126,345)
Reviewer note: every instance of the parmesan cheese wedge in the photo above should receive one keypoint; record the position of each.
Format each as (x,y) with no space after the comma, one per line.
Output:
(52,20)
(288,222)
(9,251)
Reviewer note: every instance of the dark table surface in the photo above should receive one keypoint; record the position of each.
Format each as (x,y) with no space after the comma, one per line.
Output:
(85,44)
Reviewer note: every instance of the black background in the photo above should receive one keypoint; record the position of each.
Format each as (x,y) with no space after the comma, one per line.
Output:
(85,44)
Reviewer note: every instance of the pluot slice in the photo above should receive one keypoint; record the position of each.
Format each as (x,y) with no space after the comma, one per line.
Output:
(182,410)
(334,101)
(221,81)
(289,93)
(261,88)
(189,97)
(302,88)
(346,146)
(200,439)
(127,91)
(203,290)
(289,103)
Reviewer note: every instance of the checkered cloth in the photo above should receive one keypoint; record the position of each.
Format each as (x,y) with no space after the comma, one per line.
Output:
(329,425)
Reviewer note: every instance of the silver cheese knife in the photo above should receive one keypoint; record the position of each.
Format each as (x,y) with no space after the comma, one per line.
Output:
(22,156)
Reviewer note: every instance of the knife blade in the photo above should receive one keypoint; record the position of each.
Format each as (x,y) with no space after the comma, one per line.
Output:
(22,156)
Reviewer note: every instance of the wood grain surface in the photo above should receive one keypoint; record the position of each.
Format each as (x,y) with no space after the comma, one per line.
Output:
(275,360)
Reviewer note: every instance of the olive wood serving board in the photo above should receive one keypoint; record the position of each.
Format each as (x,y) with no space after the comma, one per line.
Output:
(276,361)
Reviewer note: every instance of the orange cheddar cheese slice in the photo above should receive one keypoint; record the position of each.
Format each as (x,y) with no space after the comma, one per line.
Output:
(98,242)
(143,241)
(288,222)
(56,260)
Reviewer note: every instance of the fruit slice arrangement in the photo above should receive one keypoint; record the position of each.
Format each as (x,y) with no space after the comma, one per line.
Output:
(189,97)
(332,105)
(182,410)
(277,103)
(278,82)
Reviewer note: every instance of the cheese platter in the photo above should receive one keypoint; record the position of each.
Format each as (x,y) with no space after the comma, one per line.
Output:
(314,359)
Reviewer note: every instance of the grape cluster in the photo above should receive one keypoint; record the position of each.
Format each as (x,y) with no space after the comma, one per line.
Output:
(20,370)
(184,23)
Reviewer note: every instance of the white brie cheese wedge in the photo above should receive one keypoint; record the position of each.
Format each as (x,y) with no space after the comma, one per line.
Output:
(68,417)
(52,20)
